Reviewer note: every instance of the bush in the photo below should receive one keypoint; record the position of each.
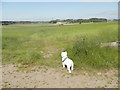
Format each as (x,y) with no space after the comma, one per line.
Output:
(87,53)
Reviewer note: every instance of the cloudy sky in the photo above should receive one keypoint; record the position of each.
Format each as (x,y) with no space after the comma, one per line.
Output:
(40,11)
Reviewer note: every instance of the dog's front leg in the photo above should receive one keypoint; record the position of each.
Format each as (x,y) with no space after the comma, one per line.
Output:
(63,65)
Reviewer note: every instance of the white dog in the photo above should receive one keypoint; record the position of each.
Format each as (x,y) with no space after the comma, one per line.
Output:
(66,61)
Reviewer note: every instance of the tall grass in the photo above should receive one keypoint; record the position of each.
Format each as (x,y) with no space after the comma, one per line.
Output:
(87,52)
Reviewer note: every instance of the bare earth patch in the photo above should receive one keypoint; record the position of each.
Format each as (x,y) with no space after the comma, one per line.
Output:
(111,44)
(41,77)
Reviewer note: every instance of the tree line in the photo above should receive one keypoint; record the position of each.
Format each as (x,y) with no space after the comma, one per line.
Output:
(22,22)
(80,20)
(58,20)
(7,22)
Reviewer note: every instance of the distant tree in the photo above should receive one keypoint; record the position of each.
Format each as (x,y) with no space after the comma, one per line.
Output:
(79,22)
(98,20)
(53,21)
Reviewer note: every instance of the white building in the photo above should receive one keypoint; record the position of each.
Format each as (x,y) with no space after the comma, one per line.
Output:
(61,23)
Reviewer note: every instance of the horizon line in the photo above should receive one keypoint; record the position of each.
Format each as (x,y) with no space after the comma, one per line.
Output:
(56,19)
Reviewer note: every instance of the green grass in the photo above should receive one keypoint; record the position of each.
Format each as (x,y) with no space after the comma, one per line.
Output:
(42,44)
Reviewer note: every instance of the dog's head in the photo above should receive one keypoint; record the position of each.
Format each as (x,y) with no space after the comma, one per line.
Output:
(64,54)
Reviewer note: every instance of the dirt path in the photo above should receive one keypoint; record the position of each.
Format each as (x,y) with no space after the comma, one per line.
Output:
(39,77)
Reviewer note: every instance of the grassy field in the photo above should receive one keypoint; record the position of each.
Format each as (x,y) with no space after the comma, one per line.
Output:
(42,44)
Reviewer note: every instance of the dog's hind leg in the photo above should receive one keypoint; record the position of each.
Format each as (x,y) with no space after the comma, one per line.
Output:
(68,67)
(72,66)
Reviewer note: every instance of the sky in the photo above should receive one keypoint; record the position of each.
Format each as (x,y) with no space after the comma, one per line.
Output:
(45,11)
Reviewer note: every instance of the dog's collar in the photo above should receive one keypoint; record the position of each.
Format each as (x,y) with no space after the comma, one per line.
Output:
(64,59)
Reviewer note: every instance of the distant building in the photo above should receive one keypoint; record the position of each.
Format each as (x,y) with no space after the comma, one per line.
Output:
(62,23)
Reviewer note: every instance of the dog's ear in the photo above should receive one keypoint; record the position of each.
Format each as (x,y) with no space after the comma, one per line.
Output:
(66,53)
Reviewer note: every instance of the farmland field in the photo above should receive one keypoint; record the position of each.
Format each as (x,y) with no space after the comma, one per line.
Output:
(31,55)
(43,43)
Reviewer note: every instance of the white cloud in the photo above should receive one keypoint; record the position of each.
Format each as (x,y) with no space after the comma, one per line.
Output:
(108,14)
